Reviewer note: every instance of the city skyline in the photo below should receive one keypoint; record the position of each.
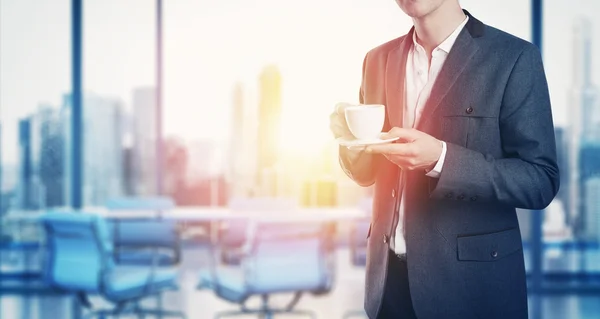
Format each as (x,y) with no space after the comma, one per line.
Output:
(300,119)
(119,56)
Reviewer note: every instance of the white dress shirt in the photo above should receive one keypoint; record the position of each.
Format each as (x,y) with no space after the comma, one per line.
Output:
(419,80)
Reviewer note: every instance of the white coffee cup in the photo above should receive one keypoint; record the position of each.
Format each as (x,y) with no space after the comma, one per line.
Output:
(365,121)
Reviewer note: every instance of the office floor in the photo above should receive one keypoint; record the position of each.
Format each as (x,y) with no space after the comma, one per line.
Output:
(347,295)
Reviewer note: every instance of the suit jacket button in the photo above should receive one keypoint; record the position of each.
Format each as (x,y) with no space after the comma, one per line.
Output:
(385,239)
(393,193)
(449,195)
(461,196)
(469,110)
(473,198)
(494,254)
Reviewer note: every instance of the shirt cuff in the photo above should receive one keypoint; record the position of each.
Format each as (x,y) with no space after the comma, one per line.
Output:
(437,169)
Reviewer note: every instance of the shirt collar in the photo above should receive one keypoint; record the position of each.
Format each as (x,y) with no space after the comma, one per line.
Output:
(447,44)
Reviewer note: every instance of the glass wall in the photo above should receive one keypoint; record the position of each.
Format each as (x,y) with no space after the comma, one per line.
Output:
(572,223)
(232,65)
(35,72)
(119,109)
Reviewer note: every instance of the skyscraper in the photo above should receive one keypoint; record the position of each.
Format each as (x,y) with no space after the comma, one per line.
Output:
(235,155)
(48,155)
(592,206)
(584,116)
(23,192)
(562,157)
(144,140)
(269,117)
(102,149)
(589,172)
(40,182)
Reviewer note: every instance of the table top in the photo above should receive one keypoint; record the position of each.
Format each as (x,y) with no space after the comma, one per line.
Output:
(200,214)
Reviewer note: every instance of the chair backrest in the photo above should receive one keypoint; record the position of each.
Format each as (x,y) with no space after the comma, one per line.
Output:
(141,203)
(235,232)
(79,250)
(145,233)
(148,232)
(288,257)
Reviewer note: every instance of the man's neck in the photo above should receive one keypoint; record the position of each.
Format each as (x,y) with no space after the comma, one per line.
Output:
(435,27)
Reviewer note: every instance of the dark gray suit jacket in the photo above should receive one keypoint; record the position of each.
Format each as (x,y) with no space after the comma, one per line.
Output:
(490,104)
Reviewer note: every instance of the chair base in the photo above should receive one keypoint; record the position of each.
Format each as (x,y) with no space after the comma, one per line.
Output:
(140,313)
(355,313)
(127,308)
(266,313)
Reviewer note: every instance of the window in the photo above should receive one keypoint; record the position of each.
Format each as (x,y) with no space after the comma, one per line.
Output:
(119,109)
(35,72)
(572,222)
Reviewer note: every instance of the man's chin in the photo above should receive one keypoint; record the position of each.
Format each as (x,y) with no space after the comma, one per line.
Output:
(416,12)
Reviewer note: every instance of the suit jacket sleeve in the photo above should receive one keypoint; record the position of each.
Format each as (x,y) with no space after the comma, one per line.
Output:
(362,169)
(527,177)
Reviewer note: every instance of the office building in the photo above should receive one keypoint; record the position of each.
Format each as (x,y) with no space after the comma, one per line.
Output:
(176,162)
(584,123)
(102,149)
(563,165)
(144,122)
(592,208)
(48,155)
(241,163)
(40,181)
(24,192)
(269,118)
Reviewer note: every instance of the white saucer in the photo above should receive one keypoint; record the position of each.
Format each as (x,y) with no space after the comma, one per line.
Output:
(353,142)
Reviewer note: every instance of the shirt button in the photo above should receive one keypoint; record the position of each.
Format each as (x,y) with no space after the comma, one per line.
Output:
(469,110)
(494,254)
(393,193)
(385,239)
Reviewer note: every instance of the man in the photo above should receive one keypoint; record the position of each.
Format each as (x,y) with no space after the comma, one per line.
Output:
(470,105)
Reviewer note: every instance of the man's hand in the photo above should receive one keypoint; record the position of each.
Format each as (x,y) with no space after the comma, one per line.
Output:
(414,150)
(337,121)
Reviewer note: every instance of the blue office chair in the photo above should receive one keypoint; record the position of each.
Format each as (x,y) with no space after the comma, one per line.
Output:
(145,241)
(279,258)
(80,260)
(232,234)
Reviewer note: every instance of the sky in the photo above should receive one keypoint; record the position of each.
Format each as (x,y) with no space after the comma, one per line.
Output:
(209,45)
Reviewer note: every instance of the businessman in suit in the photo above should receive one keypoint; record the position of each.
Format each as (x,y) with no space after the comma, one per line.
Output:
(470,105)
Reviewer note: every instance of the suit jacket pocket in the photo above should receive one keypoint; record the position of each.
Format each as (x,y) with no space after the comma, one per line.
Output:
(489,247)
(455,130)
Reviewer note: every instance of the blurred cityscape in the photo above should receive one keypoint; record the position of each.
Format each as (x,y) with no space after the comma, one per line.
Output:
(120,156)
(120,152)
(266,94)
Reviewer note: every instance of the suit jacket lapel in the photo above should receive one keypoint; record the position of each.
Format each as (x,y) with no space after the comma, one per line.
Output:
(459,57)
(395,74)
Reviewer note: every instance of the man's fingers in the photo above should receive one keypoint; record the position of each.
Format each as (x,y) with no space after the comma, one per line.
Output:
(405,134)
(391,148)
(340,107)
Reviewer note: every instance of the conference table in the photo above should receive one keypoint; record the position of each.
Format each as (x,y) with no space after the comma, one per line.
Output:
(205,214)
